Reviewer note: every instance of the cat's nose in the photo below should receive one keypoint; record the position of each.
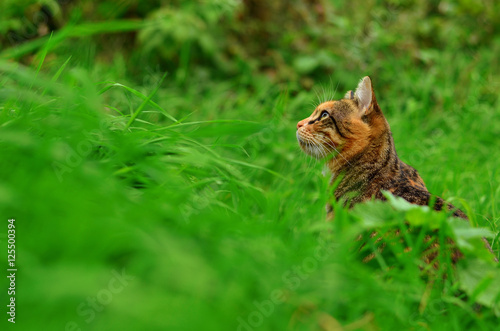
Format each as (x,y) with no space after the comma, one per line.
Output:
(300,124)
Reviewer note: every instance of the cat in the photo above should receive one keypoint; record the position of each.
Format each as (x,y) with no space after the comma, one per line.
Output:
(355,132)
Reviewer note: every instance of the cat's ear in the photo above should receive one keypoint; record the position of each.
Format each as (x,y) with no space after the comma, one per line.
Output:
(349,95)
(364,95)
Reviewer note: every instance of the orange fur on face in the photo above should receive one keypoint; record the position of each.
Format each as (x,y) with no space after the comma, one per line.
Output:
(342,134)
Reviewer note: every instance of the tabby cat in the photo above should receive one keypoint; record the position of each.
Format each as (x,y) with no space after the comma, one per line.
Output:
(355,132)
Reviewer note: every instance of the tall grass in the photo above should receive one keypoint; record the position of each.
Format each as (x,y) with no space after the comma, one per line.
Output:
(187,205)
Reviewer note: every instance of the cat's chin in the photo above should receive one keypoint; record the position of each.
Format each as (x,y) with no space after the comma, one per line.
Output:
(311,149)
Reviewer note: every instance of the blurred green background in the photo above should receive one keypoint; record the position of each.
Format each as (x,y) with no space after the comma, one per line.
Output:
(148,155)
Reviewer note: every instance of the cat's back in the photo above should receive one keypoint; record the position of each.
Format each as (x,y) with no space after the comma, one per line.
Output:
(406,183)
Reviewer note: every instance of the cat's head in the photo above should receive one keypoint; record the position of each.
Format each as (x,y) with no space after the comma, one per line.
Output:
(343,127)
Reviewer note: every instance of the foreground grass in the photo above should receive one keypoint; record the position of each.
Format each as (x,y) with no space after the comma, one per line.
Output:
(160,206)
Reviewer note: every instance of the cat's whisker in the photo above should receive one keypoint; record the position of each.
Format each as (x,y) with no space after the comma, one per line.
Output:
(317,142)
(334,92)
(330,88)
(323,150)
(326,150)
(310,148)
(317,96)
(336,150)
(313,146)
(308,168)
(317,146)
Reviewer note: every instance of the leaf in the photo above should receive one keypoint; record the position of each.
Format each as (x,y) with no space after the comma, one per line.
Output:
(145,102)
(481,281)
(375,213)
(401,204)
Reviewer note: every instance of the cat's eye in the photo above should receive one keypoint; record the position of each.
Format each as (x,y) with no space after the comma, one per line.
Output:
(324,114)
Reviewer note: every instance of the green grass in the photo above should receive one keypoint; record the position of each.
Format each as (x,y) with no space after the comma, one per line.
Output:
(196,189)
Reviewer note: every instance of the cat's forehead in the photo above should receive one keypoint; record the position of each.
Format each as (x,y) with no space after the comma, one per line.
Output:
(341,106)
(328,105)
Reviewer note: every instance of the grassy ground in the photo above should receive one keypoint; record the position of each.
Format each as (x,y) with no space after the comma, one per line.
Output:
(182,202)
